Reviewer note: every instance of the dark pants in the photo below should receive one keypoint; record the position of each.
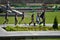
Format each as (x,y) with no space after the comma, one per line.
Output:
(43,22)
(16,21)
(6,21)
(32,22)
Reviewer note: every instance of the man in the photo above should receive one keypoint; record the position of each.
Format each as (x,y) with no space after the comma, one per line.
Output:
(32,19)
(43,17)
(6,15)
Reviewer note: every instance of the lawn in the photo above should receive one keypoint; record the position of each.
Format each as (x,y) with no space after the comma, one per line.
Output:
(43,39)
(48,15)
(51,15)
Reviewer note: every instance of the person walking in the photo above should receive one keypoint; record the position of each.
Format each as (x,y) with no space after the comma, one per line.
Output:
(43,17)
(32,19)
(6,15)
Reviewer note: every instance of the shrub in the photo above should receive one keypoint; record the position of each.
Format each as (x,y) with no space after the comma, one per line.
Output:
(55,25)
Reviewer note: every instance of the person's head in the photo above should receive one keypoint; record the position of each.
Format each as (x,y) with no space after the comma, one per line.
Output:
(43,10)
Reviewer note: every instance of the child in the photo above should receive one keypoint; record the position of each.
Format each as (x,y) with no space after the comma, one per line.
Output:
(38,18)
(32,19)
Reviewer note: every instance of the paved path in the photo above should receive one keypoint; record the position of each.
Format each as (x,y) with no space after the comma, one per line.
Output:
(4,33)
(24,25)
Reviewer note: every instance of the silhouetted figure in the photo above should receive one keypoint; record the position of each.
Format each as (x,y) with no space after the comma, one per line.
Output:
(16,19)
(43,18)
(6,18)
(32,19)
(22,18)
(6,15)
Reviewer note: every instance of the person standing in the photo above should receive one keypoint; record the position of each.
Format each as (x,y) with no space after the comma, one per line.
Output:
(32,19)
(6,15)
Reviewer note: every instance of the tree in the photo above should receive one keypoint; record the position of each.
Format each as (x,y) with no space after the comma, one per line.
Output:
(55,25)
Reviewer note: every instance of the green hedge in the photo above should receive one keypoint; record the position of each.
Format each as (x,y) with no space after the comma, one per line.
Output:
(31,28)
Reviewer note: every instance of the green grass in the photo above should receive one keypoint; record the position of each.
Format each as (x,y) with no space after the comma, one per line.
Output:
(48,15)
(43,39)
(51,15)
(30,28)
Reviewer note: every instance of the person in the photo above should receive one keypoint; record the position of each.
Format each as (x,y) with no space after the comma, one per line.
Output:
(32,19)
(16,19)
(43,17)
(22,18)
(6,18)
(38,18)
(6,15)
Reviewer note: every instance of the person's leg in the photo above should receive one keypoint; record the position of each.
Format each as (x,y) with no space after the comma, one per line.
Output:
(42,22)
(20,21)
(16,21)
(7,21)
(33,22)
(30,22)
(4,22)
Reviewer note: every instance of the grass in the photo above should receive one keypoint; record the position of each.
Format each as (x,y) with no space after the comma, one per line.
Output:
(30,28)
(48,15)
(51,15)
(45,39)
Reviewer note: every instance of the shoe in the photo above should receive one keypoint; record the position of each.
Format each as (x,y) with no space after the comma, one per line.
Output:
(34,24)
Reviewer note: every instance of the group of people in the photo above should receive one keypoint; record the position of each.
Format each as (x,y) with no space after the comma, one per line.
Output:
(39,15)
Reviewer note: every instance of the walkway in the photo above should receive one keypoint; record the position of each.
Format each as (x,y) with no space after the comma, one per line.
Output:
(25,25)
(4,33)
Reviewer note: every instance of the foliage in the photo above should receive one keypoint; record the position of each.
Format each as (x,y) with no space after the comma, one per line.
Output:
(55,25)
(30,28)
